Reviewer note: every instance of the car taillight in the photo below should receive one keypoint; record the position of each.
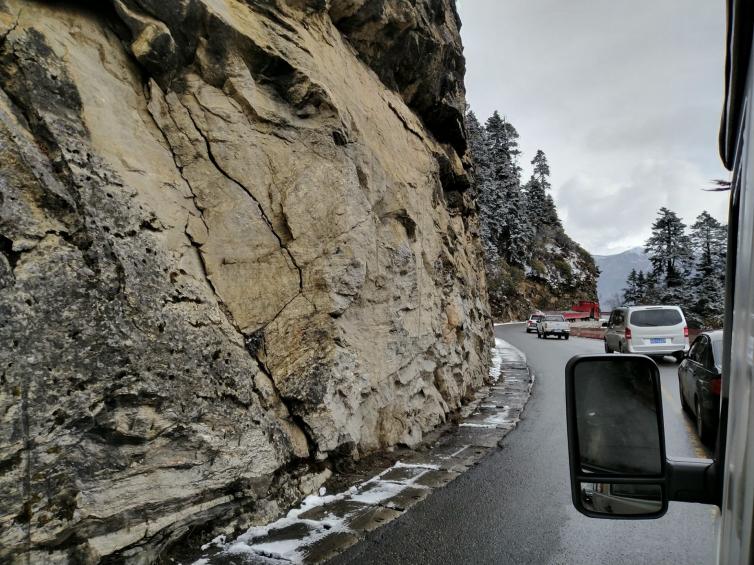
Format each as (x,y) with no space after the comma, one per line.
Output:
(685,331)
(714,386)
(628,333)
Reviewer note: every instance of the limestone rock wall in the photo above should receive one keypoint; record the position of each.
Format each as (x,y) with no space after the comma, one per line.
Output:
(234,247)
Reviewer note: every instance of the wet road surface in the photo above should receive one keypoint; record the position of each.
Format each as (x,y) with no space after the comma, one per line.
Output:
(515,506)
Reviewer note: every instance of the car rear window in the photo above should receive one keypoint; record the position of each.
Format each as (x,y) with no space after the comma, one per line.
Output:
(537,317)
(655,318)
(555,319)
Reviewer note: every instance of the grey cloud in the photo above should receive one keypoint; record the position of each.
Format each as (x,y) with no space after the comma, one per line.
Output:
(607,217)
(606,89)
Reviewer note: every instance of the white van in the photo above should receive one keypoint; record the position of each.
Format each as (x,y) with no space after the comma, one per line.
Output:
(649,330)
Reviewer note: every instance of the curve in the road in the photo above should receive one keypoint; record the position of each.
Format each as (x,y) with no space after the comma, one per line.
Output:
(515,505)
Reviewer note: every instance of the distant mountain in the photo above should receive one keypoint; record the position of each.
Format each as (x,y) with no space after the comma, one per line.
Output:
(614,270)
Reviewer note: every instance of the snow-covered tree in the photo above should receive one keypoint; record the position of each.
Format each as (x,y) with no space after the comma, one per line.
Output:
(709,240)
(477,143)
(540,207)
(707,285)
(669,250)
(631,291)
(526,268)
(641,287)
(508,222)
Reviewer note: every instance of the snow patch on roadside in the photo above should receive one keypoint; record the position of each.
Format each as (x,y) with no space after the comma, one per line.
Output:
(503,351)
(291,538)
(274,545)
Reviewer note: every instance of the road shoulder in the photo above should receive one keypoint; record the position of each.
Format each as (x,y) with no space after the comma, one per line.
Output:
(327,524)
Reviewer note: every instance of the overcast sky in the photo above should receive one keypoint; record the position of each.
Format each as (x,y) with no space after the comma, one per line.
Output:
(624,97)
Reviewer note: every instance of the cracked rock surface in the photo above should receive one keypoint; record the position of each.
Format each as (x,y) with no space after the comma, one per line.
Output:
(234,248)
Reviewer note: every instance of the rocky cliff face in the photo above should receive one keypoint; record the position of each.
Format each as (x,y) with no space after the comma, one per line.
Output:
(235,246)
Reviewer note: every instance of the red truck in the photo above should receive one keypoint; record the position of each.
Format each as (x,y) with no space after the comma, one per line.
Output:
(584,310)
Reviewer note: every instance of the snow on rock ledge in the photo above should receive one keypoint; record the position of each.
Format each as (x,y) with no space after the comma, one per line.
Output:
(228,254)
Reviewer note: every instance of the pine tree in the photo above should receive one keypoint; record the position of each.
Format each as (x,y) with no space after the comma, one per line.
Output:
(652,291)
(508,225)
(540,207)
(669,250)
(641,288)
(709,241)
(707,285)
(516,237)
(477,141)
(513,250)
(630,293)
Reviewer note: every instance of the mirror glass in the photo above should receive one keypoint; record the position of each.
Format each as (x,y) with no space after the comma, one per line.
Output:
(621,499)
(617,418)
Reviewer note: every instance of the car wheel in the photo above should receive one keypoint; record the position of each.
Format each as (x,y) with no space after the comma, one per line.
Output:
(566,337)
(539,335)
(560,336)
(528,330)
(607,348)
(702,428)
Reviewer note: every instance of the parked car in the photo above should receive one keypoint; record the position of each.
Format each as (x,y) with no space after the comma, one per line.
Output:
(553,324)
(699,380)
(531,323)
(651,330)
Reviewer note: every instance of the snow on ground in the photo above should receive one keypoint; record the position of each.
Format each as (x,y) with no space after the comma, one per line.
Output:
(496,362)
(261,542)
(497,419)
(507,353)
(286,549)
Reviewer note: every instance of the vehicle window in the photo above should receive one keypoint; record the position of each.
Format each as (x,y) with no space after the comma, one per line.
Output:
(537,317)
(555,319)
(618,318)
(647,492)
(656,318)
(695,353)
(707,356)
(717,354)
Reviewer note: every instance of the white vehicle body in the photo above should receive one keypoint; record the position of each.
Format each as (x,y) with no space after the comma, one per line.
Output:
(553,325)
(531,323)
(649,330)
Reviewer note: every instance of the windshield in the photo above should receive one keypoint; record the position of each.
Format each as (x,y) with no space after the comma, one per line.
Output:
(655,318)
(555,319)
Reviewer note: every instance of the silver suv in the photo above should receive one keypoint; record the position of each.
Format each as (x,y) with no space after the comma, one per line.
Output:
(649,330)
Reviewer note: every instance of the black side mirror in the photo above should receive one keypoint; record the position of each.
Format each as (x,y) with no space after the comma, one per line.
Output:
(616,442)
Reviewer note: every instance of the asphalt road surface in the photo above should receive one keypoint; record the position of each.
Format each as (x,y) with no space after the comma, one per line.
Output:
(515,505)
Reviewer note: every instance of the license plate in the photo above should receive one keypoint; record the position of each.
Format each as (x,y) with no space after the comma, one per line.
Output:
(657,340)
